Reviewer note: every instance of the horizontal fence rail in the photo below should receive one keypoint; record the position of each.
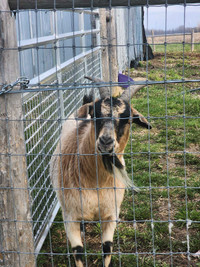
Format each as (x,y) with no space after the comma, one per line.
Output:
(51,39)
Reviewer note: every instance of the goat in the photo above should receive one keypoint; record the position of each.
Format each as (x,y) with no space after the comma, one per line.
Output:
(87,168)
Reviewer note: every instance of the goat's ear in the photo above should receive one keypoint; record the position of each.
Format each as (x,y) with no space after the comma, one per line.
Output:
(139,119)
(85,110)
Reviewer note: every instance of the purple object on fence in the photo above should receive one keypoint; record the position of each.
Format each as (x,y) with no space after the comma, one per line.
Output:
(124,79)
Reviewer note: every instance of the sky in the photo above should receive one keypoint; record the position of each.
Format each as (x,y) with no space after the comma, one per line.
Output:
(175,16)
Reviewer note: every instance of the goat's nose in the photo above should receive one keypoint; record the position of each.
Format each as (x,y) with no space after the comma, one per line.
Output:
(106,140)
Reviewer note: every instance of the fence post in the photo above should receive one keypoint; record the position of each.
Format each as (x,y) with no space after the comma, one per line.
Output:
(109,50)
(192,40)
(59,74)
(16,234)
(152,36)
(83,43)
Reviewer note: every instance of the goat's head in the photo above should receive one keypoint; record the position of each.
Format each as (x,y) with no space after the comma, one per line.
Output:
(111,118)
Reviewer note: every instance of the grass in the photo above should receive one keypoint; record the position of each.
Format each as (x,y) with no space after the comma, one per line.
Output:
(169,177)
(176,48)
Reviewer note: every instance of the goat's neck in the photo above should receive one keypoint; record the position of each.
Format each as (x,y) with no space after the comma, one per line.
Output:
(92,165)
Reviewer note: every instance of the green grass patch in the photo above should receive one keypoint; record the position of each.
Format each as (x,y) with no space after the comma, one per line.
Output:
(171,48)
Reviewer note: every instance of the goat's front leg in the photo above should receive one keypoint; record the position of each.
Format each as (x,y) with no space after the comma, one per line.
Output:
(74,236)
(108,232)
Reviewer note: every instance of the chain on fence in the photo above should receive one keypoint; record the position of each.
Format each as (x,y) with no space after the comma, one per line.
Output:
(99,129)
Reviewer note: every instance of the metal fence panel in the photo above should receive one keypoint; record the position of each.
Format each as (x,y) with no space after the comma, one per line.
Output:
(160,224)
(44,112)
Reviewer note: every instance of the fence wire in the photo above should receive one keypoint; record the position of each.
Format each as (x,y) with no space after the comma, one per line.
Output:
(160,224)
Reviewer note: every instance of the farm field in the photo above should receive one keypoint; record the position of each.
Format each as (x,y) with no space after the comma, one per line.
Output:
(160,225)
(175,43)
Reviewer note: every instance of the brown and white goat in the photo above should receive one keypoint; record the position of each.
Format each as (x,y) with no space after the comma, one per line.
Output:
(88,170)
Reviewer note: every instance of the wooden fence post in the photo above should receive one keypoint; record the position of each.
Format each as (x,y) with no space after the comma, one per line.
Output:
(104,45)
(192,40)
(16,234)
(109,48)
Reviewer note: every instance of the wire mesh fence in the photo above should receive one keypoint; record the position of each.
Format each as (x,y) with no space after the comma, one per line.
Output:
(42,129)
(157,226)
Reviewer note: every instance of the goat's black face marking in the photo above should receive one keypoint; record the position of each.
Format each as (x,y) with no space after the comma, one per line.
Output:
(112,115)
(115,111)
(87,99)
(123,121)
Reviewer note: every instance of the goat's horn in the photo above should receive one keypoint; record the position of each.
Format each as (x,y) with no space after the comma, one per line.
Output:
(131,91)
(103,90)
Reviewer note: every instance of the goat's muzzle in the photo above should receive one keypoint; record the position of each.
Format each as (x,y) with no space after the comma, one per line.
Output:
(105,144)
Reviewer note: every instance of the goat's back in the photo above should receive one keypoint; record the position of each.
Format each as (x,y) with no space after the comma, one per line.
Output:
(67,137)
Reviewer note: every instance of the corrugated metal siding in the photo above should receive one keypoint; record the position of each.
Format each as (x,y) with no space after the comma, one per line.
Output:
(129,35)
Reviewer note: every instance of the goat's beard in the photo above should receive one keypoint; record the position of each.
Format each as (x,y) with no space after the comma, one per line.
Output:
(110,161)
(114,166)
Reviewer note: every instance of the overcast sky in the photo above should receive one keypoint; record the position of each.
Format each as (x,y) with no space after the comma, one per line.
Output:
(175,16)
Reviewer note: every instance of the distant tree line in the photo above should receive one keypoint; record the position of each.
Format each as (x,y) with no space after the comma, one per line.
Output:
(180,29)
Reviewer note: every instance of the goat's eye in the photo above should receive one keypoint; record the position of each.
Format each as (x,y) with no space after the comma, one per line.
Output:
(121,126)
(99,122)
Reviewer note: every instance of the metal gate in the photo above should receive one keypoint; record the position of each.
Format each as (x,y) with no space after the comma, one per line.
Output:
(55,48)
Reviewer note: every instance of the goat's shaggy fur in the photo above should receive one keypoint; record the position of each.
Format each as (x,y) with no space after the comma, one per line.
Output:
(88,169)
